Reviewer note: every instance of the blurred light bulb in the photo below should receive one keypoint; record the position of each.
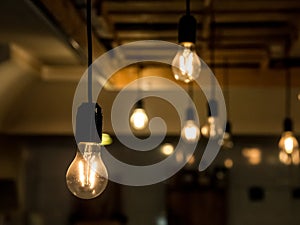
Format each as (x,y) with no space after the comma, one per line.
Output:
(228,163)
(167,149)
(227,142)
(186,64)
(288,142)
(87,175)
(190,159)
(289,149)
(190,132)
(139,119)
(288,159)
(212,128)
(253,155)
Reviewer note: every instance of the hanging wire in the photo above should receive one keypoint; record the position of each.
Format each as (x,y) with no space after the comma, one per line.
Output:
(226,86)
(90,48)
(212,55)
(288,92)
(140,68)
(96,111)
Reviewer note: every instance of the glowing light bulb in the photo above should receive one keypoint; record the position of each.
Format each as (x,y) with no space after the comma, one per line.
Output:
(167,149)
(227,142)
(139,119)
(186,65)
(288,142)
(289,149)
(87,175)
(212,128)
(190,132)
(228,163)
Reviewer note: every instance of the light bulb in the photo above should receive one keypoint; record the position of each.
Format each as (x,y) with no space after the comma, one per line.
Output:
(186,64)
(288,142)
(190,132)
(288,159)
(212,128)
(167,149)
(87,175)
(139,119)
(289,149)
(227,142)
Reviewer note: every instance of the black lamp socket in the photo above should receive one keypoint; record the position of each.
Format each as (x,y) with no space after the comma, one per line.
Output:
(187,29)
(89,123)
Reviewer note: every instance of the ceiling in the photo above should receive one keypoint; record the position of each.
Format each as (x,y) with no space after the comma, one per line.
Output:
(246,33)
(43,56)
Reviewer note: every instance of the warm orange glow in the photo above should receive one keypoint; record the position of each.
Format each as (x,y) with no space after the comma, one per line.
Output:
(167,149)
(253,155)
(139,119)
(228,163)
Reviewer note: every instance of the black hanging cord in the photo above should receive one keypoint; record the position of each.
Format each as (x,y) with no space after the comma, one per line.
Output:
(212,55)
(140,103)
(90,47)
(139,72)
(288,93)
(89,114)
(226,86)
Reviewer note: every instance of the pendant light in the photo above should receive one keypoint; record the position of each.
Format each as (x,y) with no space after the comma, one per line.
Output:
(288,144)
(186,65)
(87,175)
(139,118)
(212,128)
(190,131)
(227,142)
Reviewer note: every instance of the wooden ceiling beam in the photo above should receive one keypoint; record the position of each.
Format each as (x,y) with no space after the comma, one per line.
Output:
(66,16)
(157,17)
(198,6)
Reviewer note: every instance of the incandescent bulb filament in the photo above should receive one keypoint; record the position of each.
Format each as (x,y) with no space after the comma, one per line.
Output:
(186,64)
(190,131)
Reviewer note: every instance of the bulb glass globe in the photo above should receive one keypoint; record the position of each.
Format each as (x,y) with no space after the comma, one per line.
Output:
(190,132)
(227,142)
(288,142)
(212,128)
(139,119)
(186,65)
(289,149)
(87,175)
(288,159)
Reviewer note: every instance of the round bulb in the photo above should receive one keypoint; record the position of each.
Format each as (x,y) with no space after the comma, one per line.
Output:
(288,142)
(227,142)
(289,149)
(139,119)
(212,128)
(87,175)
(190,132)
(186,64)
(167,149)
